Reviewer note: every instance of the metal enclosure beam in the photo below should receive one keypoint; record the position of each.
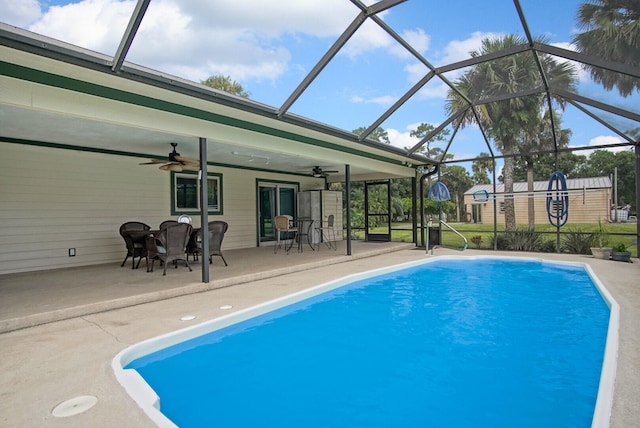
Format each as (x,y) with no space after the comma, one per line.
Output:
(129,34)
(333,50)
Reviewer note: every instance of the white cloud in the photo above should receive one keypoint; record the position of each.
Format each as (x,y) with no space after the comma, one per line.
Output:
(369,37)
(401,139)
(193,38)
(385,100)
(93,24)
(605,140)
(20,13)
(416,38)
(457,50)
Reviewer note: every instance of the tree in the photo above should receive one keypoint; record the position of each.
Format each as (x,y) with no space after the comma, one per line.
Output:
(611,32)
(481,167)
(506,120)
(422,131)
(604,163)
(570,164)
(538,135)
(224,83)
(378,134)
(458,181)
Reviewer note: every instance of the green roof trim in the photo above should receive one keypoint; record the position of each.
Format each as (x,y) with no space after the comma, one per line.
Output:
(63,82)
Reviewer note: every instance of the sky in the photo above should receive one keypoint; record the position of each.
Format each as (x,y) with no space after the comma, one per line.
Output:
(270,46)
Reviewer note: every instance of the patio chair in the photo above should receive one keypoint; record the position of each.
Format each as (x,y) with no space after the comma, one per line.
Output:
(283,225)
(168,223)
(169,245)
(328,234)
(134,242)
(217,229)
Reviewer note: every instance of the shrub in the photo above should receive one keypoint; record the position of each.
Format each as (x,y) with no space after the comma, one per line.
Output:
(477,240)
(524,240)
(620,248)
(499,242)
(548,246)
(600,237)
(576,242)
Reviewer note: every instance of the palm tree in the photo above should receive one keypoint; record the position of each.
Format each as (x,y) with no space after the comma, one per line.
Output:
(611,32)
(539,136)
(480,168)
(507,120)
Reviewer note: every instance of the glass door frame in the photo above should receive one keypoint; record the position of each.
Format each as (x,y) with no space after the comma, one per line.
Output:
(265,233)
(384,216)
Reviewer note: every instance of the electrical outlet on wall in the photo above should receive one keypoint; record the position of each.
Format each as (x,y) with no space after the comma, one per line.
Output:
(72,252)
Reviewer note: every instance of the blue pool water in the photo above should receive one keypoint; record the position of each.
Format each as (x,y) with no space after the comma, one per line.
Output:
(453,343)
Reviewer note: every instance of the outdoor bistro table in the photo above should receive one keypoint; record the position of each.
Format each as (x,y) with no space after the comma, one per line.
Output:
(304,225)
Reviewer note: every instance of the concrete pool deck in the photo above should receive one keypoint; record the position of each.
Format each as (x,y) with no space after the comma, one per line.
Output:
(47,364)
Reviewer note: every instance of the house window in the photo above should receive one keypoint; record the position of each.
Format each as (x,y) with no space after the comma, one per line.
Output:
(185,195)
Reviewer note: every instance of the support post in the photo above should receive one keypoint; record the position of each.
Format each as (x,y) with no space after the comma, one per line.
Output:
(204,209)
(637,198)
(347,173)
(414,211)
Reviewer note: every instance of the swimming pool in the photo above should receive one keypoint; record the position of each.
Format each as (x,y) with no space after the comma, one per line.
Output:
(457,354)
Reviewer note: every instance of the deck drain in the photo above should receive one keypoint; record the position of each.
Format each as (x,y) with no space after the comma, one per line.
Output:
(74,406)
(188,318)
(226,307)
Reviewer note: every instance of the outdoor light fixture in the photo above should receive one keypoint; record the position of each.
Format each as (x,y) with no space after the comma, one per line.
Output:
(253,157)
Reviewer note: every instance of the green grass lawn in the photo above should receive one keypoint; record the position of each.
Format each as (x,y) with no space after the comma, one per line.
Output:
(618,233)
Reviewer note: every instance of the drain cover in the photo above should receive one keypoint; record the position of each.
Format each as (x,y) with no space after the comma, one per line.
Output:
(74,406)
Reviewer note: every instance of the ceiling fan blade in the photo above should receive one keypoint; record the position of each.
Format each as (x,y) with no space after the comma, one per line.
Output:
(190,167)
(185,161)
(153,162)
(175,167)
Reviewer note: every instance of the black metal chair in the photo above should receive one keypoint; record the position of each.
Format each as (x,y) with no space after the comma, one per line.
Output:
(135,242)
(328,234)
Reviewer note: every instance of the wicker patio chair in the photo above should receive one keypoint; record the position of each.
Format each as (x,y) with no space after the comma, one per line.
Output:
(168,223)
(135,243)
(169,245)
(283,225)
(217,229)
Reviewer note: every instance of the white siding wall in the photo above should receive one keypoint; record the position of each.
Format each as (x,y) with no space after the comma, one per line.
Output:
(56,199)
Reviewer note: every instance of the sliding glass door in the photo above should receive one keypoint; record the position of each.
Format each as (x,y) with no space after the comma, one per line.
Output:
(274,199)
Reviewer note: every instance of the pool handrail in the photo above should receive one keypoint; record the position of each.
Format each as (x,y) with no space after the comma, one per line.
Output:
(457,233)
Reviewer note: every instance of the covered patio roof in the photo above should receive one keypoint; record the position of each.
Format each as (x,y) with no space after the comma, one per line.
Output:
(138,112)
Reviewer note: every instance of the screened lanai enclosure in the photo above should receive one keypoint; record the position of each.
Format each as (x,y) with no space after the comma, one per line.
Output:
(526,110)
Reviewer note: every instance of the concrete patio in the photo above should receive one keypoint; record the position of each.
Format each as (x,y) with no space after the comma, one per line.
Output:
(61,329)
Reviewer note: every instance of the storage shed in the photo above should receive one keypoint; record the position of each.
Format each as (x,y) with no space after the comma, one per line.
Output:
(589,201)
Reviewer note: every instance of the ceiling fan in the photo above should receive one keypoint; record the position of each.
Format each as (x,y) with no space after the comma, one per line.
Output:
(175,162)
(319,172)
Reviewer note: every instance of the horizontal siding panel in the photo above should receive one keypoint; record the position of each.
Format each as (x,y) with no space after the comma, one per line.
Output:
(56,199)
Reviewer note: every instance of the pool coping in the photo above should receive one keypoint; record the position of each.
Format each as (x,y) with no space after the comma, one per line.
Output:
(149,402)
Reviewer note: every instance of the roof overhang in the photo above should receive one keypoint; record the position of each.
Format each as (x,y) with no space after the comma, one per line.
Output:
(60,95)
